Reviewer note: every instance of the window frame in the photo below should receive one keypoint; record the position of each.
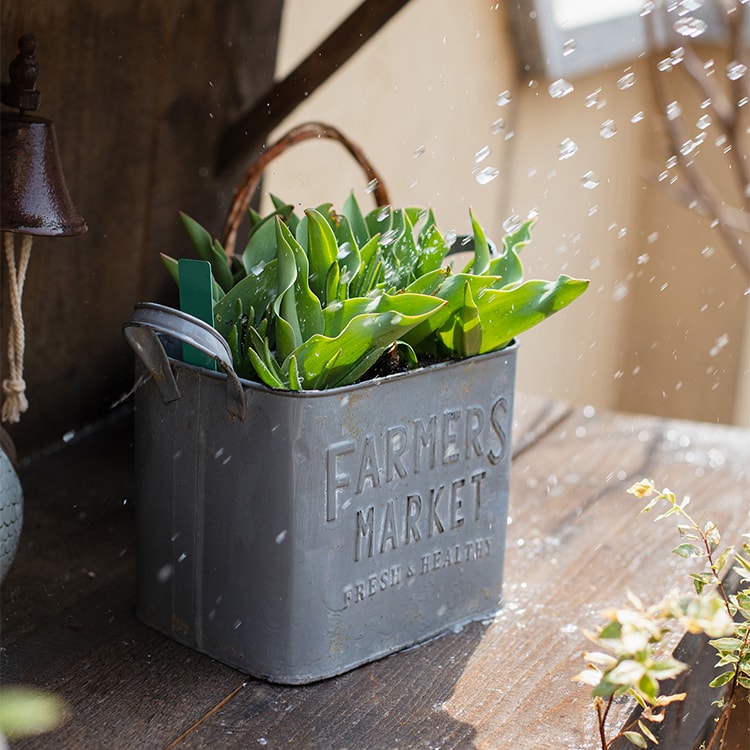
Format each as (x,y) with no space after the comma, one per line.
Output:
(540,40)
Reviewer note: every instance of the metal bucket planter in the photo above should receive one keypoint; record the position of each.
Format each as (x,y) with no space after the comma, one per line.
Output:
(295,536)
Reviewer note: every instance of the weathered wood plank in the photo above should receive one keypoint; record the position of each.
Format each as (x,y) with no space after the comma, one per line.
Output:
(140,93)
(575,544)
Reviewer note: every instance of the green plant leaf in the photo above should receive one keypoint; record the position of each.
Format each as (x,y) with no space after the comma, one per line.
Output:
(463,334)
(688,550)
(353,213)
(722,679)
(322,250)
(201,239)
(635,738)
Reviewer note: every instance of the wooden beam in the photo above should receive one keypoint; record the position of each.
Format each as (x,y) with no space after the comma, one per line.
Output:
(246,137)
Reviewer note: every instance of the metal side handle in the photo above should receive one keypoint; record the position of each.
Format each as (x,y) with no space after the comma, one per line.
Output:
(149,319)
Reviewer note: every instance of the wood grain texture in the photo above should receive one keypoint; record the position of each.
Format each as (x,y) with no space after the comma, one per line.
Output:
(140,94)
(575,546)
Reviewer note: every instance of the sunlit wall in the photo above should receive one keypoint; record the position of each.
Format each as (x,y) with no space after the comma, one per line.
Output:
(437,103)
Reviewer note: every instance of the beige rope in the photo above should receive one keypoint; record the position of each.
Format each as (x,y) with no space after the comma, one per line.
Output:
(14,387)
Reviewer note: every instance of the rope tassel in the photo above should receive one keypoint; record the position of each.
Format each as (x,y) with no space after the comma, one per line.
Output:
(15,402)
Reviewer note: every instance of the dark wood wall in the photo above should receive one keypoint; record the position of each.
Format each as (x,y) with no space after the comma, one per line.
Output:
(140,92)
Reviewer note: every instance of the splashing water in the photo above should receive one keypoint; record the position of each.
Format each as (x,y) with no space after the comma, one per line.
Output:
(481,155)
(674,110)
(503,98)
(569,47)
(560,88)
(690,27)
(626,81)
(498,126)
(486,175)
(608,129)
(568,148)
(593,100)
(590,180)
(735,70)
(512,223)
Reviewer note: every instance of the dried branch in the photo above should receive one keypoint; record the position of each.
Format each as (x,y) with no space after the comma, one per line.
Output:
(725,109)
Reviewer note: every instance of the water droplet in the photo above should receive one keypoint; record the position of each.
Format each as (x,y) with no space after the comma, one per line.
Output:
(703,122)
(688,147)
(590,180)
(620,292)
(643,259)
(560,88)
(450,236)
(674,110)
(486,175)
(68,436)
(512,223)
(281,537)
(592,99)
(637,117)
(383,214)
(498,126)
(677,55)
(735,70)
(482,154)
(665,65)
(503,99)
(567,148)
(690,26)
(533,213)
(593,209)
(608,129)
(237,624)
(419,151)
(688,6)
(707,251)
(648,7)
(626,81)
(372,185)
(721,342)
(569,47)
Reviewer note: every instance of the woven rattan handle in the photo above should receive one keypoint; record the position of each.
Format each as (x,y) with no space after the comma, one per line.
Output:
(246,188)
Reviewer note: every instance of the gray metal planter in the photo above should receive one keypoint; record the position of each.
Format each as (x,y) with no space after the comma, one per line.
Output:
(326,529)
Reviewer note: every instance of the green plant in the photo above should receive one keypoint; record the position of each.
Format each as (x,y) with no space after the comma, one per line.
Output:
(631,660)
(315,301)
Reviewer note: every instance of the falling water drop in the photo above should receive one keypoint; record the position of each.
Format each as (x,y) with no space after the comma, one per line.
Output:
(486,175)
(512,223)
(673,110)
(608,129)
(637,117)
(590,180)
(503,98)
(703,122)
(690,27)
(569,47)
(481,154)
(592,99)
(626,81)
(419,151)
(372,185)
(560,88)
(567,148)
(735,70)
(498,126)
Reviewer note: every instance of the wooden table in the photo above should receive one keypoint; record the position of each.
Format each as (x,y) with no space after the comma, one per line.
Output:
(575,546)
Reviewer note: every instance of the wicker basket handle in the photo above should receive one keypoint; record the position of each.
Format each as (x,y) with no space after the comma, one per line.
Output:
(244,192)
